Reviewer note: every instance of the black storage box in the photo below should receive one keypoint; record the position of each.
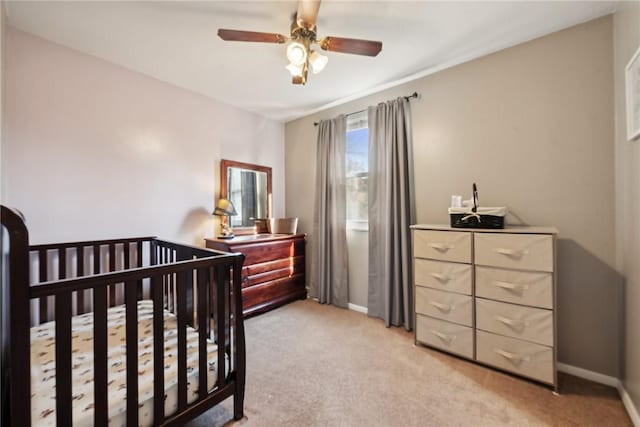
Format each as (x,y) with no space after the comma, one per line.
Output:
(483,218)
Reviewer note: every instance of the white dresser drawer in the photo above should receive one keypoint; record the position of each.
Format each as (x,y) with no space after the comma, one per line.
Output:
(520,287)
(521,357)
(442,245)
(448,276)
(530,324)
(520,251)
(444,305)
(444,335)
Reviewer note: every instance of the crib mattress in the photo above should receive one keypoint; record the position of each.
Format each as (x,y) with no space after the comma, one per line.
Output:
(43,394)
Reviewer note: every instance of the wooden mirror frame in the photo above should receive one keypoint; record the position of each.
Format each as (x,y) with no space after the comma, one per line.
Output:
(224,190)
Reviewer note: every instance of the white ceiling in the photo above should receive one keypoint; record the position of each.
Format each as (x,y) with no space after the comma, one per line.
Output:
(176,42)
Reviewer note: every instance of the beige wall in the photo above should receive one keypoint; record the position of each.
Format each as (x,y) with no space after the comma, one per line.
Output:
(533,126)
(627,185)
(97,151)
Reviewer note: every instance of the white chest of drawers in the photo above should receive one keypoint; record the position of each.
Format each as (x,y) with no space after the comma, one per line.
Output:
(489,296)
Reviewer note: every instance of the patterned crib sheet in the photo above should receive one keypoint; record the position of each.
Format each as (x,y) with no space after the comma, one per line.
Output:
(43,394)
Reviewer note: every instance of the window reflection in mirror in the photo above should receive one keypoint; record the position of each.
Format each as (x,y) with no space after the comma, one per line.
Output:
(248,193)
(248,187)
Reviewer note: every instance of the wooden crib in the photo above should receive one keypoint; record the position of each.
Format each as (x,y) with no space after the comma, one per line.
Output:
(195,290)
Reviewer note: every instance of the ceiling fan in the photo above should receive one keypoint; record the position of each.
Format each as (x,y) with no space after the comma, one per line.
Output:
(303,35)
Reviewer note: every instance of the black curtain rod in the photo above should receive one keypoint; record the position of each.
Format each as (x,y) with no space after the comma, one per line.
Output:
(413,95)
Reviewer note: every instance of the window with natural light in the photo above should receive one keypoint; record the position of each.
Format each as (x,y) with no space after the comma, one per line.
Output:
(357,171)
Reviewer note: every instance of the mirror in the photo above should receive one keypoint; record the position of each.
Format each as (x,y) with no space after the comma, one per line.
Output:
(248,187)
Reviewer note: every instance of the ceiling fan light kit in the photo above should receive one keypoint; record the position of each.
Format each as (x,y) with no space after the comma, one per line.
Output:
(303,35)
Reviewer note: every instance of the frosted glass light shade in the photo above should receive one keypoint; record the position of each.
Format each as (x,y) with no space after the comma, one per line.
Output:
(296,53)
(295,70)
(317,61)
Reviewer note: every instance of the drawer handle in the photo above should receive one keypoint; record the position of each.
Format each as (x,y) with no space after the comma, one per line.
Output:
(520,324)
(511,286)
(442,307)
(444,337)
(511,252)
(441,277)
(441,246)
(512,356)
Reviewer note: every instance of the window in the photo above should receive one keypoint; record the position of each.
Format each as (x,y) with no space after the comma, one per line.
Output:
(357,171)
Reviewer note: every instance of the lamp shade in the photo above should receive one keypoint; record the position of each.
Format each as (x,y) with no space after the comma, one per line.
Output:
(224,208)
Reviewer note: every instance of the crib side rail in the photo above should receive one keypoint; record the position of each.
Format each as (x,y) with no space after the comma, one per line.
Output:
(213,278)
(54,261)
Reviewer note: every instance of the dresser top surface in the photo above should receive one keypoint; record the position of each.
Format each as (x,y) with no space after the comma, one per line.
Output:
(521,229)
(255,238)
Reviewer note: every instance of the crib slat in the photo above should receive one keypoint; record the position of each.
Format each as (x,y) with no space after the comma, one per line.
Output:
(139,253)
(42,254)
(96,259)
(80,273)
(112,267)
(172,282)
(63,359)
(169,283)
(181,313)
(139,264)
(158,350)
(100,392)
(202,332)
(131,307)
(222,319)
(62,263)
(153,252)
(152,261)
(126,255)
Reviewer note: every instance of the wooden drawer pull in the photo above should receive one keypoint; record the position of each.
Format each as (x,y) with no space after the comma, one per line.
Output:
(511,286)
(441,246)
(441,277)
(512,356)
(442,307)
(444,337)
(520,324)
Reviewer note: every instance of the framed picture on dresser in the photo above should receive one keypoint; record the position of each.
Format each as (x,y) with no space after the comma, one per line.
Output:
(632,89)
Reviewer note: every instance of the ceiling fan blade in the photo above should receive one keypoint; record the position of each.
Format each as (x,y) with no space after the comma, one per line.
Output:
(250,36)
(355,46)
(307,13)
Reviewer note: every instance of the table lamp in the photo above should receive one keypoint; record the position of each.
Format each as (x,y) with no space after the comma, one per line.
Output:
(225,209)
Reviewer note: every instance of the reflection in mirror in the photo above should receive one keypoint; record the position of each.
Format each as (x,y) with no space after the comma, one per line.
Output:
(248,187)
(248,193)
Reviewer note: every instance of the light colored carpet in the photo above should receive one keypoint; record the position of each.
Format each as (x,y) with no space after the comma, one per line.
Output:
(316,365)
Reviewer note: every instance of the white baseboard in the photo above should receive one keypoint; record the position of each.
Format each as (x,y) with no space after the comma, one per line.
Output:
(596,377)
(358,308)
(628,405)
(608,380)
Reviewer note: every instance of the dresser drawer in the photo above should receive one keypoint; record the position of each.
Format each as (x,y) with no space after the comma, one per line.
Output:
(520,251)
(444,305)
(448,276)
(257,253)
(521,357)
(520,287)
(530,324)
(444,335)
(442,245)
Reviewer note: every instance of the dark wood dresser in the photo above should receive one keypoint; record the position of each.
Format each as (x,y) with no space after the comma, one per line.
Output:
(273,273)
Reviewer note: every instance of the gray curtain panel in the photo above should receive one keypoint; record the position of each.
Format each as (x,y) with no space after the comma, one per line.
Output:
(329,263)
(391,212)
